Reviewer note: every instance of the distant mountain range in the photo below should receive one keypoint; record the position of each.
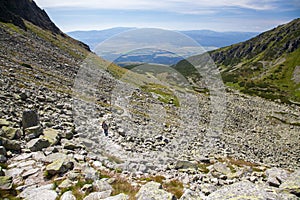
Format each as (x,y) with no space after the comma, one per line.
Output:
(207,39)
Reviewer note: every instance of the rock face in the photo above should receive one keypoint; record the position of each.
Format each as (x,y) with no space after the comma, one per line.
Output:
(153,191)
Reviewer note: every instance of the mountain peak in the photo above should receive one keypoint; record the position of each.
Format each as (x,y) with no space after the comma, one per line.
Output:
(15,11)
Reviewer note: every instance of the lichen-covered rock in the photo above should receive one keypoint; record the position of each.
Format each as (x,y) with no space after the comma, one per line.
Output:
(51,135)
(10,133)
(5,182)
(153,191)
(38,144)
(292,184)
(58,166)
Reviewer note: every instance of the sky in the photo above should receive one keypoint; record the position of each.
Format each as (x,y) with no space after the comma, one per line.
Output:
(217,15)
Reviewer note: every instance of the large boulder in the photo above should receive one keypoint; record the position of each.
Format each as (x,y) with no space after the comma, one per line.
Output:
(38,144)
(59,166)
(153,191)
(41,193)
(10,144)
(33,132)
(29,118)
(68,196)
(292,184)
(97,195)
(52,135)
(10,133)
(183,164)
(241,190)
(276,176)
(5,183)
(101,185)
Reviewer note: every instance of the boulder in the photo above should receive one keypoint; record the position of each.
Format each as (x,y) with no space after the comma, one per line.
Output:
(276,176)
(29,118)
(59,166)
(2,151)
(118,197)
(52,135)
(221,168)
(10,133)
(33,132)
(292,183)
(40,193)
(97,195)
(37,144)
(191,195)
(3,159)
(4,122)
(68,196)
(182,164)
(5,183)
(101,185)
(153,191)
(10,144)
(67,183)
(241,190)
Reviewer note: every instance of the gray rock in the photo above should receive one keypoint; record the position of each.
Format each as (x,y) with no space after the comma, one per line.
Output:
(241,190)
(3,159)
(68,196)
(181,164)
(191,195)
(97,195)
(33,132)
(153,191)
(59,166)
(221,168)
(101,185)
(2,151)
(65,184)
(90,174)
(5,183)
(29,118)
(276,176)
(40,193)
(37,144)
(118,197)
(292,183)
(10,144)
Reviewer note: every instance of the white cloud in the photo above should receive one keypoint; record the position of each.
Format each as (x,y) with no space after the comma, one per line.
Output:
(181,6)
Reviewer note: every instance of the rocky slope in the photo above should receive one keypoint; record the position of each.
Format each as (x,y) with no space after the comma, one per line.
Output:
(266,65)
(52,145)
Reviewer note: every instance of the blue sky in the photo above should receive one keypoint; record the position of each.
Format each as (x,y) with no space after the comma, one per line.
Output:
(218,15)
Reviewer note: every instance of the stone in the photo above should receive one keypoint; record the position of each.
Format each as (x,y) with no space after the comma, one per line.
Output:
(121,132)
(118,197)
(54,156)
(292,183)
(2,151)
(37,144)
(241,190)
(69,145)
(153,190)
(1,172)
(30,172)
(191,195)
(5,182)
(10,133)
(207,188)
(221,168)
(40,193)
(3,159)
(4,122)
(29,119)
(87,188)
(52,135)
(276,176)
(33,132)
(10,144)
(66,184)
(97,195)
(56,167)
(68,196)
(181,164)
(90,174)
(101,185)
